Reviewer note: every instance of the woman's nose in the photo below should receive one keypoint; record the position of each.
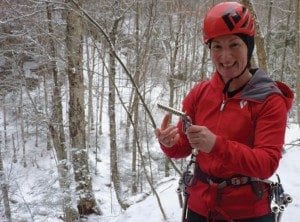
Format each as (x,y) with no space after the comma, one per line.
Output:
(225,54)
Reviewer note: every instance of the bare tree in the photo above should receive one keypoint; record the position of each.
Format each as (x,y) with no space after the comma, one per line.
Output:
(269,22)
(285,44)
(259,39)
(22,129)
(4,186)
(86,202)
(57,130)
(90,61)
(4,120)
(115,175)
(135,103)
(49,144)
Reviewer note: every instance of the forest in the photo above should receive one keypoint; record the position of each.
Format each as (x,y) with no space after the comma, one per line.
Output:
(79,85)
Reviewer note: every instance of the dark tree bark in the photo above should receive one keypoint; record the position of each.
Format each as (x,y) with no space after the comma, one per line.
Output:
(74,38)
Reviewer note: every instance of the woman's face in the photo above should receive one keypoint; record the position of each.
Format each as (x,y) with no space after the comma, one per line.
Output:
(229,55)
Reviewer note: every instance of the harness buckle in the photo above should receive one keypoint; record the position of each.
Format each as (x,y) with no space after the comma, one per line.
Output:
(237,181)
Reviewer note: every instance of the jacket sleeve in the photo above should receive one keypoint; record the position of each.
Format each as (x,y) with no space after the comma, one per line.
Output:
(180,150)
(263,158)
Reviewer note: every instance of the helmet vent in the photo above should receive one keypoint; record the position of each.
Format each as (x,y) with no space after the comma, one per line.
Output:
(245,23)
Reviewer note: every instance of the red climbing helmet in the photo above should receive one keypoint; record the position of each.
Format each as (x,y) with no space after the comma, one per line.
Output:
(228,18)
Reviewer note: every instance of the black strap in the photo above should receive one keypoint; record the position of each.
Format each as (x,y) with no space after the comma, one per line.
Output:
(227,84)
(237,180)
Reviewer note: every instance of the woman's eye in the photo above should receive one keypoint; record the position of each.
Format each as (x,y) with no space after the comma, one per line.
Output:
(216,47)
(234,45)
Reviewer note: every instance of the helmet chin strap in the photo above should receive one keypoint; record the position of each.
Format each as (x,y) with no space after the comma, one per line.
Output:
(227,84)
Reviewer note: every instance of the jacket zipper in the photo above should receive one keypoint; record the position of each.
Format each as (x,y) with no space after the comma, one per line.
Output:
(222,106)
(223,102)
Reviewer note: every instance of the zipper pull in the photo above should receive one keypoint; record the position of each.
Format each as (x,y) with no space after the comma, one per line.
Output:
(223,105)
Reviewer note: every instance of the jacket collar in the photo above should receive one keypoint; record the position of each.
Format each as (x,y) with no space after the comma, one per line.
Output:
(258,88)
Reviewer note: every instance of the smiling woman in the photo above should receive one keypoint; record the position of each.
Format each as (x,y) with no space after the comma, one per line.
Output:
(239,120)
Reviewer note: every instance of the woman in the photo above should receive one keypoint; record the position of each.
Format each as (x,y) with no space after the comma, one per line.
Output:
(239,118)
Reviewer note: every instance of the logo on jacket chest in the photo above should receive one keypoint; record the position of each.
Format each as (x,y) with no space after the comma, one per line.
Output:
(243,103)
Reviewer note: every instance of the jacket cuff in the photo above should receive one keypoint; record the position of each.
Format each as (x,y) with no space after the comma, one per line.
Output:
(218,147)
(167,150)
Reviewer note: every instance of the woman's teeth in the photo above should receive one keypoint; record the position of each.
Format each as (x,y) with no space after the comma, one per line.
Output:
(228,65)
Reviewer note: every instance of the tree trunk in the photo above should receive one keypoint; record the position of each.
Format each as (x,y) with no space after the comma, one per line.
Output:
(259,39)
(15,160)
(115,175)
(135,103)
(36,142)
(4,187)
(268,36)
(86,202)
(99,107)
(4,121)
(135,138)
(282,68)
(49,145)
(101,99)
(90,72)
(128,125)
(203,69)
(22,128)
(56,130)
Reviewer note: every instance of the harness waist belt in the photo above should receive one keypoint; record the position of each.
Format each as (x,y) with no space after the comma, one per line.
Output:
(237,180)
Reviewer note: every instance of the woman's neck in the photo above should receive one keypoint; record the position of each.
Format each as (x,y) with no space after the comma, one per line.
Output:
(240,81)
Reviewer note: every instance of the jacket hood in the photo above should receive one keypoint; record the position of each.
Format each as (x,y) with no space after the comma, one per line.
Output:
(287,93)
(261,86)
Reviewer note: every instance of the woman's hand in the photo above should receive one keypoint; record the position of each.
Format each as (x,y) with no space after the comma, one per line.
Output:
(167,134)
(200,137)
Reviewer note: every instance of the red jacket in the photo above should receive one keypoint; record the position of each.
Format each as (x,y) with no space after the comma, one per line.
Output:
(250,131)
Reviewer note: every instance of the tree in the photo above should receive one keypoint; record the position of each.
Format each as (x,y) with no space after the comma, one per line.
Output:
(4,186)
(259,39)
(115,175)
(74,51)
(4,119)
(285,44)
(90,64)
(57,129)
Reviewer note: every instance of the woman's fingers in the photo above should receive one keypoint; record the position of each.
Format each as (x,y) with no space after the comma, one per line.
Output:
(167,135)
(200,137)
(166,121)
